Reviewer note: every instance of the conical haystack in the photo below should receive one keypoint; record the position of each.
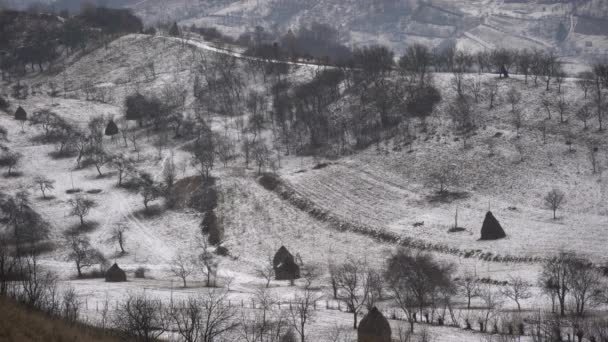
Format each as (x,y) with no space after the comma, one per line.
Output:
(115,274)
(491,229)
(20,114)
(374,327)
(111,129)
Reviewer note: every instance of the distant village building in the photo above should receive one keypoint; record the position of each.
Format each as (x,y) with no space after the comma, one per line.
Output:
(284,264)
(491,228)
(374,327)
(115,274)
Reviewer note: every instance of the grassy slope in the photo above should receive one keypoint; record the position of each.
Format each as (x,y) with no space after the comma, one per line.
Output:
(24,325)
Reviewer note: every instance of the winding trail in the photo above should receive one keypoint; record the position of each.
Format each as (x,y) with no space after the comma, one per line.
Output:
(207,47)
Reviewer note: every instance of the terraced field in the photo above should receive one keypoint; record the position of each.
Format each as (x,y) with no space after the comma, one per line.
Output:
(372,194)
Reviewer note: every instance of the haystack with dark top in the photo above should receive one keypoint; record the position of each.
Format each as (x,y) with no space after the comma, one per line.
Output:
(115,274)
(491,229)
(285,266)
(111,129)
(374,327)
(20,114)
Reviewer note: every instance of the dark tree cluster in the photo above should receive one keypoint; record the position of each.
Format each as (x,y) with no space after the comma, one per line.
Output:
(314,42)
(211,34)
(36,39)
(219,87)
(23,226)
(353,107)
(27,40)
(155,111)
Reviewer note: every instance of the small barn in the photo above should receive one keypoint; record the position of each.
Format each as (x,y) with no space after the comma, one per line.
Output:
(20,114)
(285,266)
(374,327)
(111,129)
(491,228)
(115,274)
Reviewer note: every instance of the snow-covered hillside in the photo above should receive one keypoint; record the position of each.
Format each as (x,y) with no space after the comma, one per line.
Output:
(504,168)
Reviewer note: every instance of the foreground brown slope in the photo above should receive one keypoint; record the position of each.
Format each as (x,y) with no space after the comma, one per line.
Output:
(18,323)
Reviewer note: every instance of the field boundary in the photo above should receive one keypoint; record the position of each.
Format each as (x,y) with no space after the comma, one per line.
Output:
(283,189)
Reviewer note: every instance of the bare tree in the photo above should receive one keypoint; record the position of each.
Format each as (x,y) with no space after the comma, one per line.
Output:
(208,263)
(333,273)
(141,317)
(182,266)
(585,284)
(70,305)
(118,236)
(11,160)
(99,157)
(476,88)
(414,279)
(562,107)
(353,286)
(555,278)
(584,113)
(547,103)
(514,98)
(81,252)
(8,264)
(122,165)
(266,271)
(492,93)
(493,301)
(206,318)
(203,155)
(375,284)
(169,171)
(36,285)
(260,154)
(148,189)
(517,289)
(468,286)
(554,200)
(80,207)
(44,184)
(246,148)
(225,150)
(417,61)
(301,310)
(443,176)
(585,82)
(560,78)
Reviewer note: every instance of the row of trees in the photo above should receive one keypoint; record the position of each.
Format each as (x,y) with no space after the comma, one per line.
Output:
(570,277)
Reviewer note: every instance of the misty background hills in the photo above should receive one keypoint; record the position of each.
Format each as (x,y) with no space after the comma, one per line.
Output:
(574,29)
